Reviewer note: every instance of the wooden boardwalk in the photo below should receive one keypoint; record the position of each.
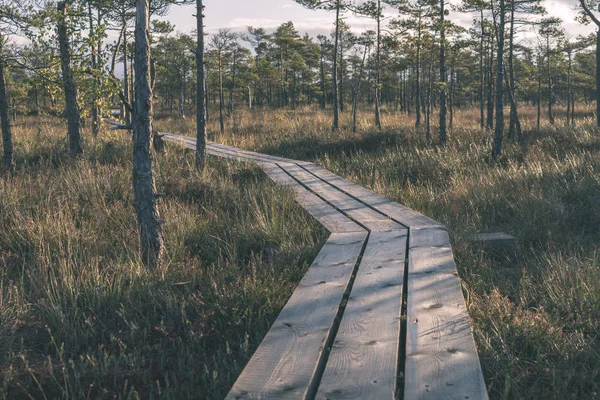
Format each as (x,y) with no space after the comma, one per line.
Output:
(380,311)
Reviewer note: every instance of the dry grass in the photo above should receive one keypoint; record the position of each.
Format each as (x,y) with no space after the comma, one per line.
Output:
(536,314)
(79,315)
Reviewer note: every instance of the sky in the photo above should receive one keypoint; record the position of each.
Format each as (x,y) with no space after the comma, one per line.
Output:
(238,14)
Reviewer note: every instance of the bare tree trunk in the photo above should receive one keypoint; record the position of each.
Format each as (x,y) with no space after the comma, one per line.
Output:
(499,131)
(181,100)
(598,77)
(7,142)
(490,91)
(357,90)
(511,74)
(94,59)
(428,106)
(378,69)
(72,107)
(569,91)
(151,239)
(221,97)
(322,83)
(443,81)
(418,77)
(481,76)
(200,89)
(539,94)
(336,98)
(126,73)
(550,83)
(341,79)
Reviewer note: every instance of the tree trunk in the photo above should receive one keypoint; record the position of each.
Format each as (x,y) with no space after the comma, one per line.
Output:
(94,59)
(322,83)
(418,77)
(341,79)
(336,99)
(378,69)
(357,90)
(550,84)
(126,73)
(481,76)
(511,75)
(569,92)
(443,109)
(72,107)
(539,94)
(181,100)
(499,131)
(221,97)
(597,75)
(490,91)
(7,142)
(428,106)
(151,239)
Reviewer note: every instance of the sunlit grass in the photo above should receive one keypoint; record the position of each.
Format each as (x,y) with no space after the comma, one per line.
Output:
(80,317)
(536,314)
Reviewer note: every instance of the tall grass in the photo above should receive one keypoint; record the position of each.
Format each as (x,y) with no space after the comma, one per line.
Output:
(536,314)
(81,318)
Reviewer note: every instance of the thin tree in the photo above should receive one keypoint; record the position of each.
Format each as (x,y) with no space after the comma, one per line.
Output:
(338,6)
(499,129)
(70,89)
(7,141)
(589,15)
(443,108)
(151,239)
(10,19)
(200,85)
(221,42)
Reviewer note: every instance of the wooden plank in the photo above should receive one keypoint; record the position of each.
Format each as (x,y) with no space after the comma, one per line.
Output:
(285,363)
(363,363)
(353,208)
(329,217)
(274,159)
(400,213)
(332,219)
(240,155)
(429,237)
(441,357)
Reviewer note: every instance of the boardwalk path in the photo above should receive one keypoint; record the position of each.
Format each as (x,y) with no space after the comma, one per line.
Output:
(380,310)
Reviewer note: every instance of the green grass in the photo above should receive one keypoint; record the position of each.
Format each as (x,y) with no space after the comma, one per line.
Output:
(81,318)
(536,314)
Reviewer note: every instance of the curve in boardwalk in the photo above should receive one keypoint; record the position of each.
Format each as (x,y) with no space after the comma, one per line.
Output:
(341,334)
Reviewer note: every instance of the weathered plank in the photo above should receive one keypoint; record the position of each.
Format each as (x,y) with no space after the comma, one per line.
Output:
(429,237)
(400,213)
(364,358)
(441,357)
(274,159)
(284,365)
(353,208)
(332,219)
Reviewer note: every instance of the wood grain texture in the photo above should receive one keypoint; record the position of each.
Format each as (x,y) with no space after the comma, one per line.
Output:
(429,237)
(285,362)
(329,217)
(364,359)
(441,357)
(353,208)
(274,159)
(400,213)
